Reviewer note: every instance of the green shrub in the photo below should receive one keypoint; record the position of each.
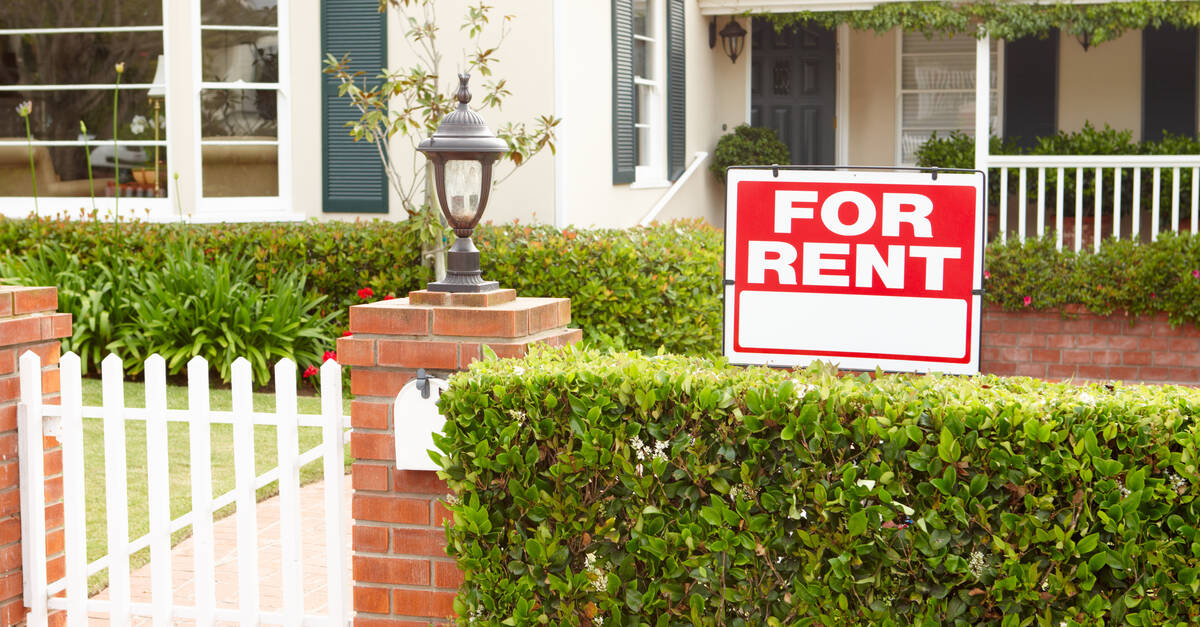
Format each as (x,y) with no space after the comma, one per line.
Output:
(675,491)
(748,145)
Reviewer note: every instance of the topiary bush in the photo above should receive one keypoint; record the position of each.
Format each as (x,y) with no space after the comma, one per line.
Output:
(748,145)
(624,490)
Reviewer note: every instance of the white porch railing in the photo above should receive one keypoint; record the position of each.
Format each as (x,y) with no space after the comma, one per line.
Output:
(1023,178)
(65,421)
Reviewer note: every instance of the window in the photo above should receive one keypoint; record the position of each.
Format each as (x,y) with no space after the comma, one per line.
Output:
(648,91)
(937,90)
(67,72)
(235,144)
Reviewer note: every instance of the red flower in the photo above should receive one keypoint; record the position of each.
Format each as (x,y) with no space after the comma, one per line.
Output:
(329,355)
(389,297)
(1196,274)
(366,293)
(1028,300)
(310,371)
(346,333)
(987,275)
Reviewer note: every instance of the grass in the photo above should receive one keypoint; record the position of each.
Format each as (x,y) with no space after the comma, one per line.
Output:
(265,455)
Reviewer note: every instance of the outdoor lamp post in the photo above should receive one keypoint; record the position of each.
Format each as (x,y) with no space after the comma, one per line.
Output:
(463,150)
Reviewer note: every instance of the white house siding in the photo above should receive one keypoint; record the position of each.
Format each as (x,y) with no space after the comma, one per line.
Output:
(872,79)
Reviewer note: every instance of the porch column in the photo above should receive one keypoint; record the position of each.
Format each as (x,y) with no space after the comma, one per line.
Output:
(983,100)
(402,575)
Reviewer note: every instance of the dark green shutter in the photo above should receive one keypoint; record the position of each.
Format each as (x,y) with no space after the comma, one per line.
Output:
(353,175)
(1031,89)
(676,90)
(624,152)
(1169,82)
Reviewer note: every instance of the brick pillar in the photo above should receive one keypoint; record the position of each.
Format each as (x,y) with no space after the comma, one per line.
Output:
(402,575)
(27,322)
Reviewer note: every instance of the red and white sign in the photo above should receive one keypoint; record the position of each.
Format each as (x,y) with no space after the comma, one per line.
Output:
(860,268)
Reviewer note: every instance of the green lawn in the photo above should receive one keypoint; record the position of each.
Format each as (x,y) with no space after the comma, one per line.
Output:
(179,463)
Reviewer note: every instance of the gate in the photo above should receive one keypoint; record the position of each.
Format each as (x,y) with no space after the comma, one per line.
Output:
(38,422)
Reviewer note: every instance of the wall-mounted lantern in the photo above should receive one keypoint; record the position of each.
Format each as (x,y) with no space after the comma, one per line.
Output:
(463,150)
(733,37)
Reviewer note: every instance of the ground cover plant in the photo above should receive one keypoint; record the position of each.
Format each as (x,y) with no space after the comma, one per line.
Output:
(265,456)
(618,489)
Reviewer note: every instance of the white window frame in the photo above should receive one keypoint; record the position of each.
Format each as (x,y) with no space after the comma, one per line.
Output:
(233,209)
(150,209)
(997,92)
(651,96)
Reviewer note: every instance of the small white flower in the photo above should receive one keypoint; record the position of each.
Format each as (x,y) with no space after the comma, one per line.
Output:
(138,125)
(25,108)
(1124,490)
(1085,398)
(660,450)
(517,415)
(451,499)
(517,370)
(977,564)
(1045,585)
(1177,482)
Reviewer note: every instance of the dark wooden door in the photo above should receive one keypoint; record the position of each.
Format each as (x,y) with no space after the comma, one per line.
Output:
(792,88)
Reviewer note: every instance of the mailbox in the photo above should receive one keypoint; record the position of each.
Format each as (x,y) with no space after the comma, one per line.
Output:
(416,418)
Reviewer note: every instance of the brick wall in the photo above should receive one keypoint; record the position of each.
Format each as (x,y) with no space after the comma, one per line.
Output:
(402,576)
(1087,346)
(27,322)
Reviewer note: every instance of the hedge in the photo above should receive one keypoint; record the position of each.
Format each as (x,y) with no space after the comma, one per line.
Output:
(617,489)
(640,288)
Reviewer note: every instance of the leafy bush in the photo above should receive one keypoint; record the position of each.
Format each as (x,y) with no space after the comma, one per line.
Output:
(624,490)
(957,150)
(748,145)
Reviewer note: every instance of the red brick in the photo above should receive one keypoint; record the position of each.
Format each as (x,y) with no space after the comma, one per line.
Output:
(354,351)
(380,446)
(544,317)
(428,354)
(392,570)
(55,541)
(1191,360)
(20,331)
(1098,373)
(50,381)
(1167,358)
(441,514)
(10,472)
(1047,325)
(1106,358)
(419,482)
(1031,370)
(389,317)
(1018,355)
(505,321)
(430,542)
(1047,355)
(14,612)
(1060,341)
(10,585)
(49,352)
(8,446)
(1125,373)
(1001,368)
(10,531)
(1017,325)
(371,621)
(378,382)
(1153,344)
(447,575)
(6,306)
(1140,329)
(56,568)
(999,339)
(1188,376)
(424,603)
(370,539)
(56,326)
(509,351)
(367,415)
(54,515)
(27,300)
(54,490)
(392,509)
(370,476)
(989,353)
(10,557)
(1183,345)
(1079,327)
(8,361)
(1092,341)
(1076,357)
(467,353)
(374,600)
(564,311)
(8,418)
(1109,326)
(1153,374)
(1136,358)
(10,503)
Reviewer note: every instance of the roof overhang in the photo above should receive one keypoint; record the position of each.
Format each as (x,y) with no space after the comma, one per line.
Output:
(737,7)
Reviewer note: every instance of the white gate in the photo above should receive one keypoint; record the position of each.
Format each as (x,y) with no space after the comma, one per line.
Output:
(65,422)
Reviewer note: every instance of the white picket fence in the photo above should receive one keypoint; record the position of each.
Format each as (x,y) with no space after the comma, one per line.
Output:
(65,421)
(1107,206)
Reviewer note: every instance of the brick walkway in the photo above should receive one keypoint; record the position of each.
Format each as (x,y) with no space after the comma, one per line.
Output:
(312,509)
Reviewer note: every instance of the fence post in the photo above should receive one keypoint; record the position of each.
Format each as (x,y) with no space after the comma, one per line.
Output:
(401,571)
(28,322)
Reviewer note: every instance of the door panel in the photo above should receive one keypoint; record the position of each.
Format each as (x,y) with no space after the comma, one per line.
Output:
(799,65)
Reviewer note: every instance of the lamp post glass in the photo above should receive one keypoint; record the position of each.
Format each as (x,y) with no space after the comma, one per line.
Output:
(462,151)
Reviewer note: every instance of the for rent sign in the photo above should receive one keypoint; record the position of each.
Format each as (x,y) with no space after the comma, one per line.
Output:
(861,268)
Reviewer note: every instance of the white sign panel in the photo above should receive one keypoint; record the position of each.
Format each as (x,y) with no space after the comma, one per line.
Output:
(862,268)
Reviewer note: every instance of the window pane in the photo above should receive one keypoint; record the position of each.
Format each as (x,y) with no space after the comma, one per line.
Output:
(941,72)
(645,146)
(239,12)
(62,170)
(251,56)
(944,110)
(79,58)
(236,171)
(917,42)
(56,114)
(78,14)
(246,113)
(641,58)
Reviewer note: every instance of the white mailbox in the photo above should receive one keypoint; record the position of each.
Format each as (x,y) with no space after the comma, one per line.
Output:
(416,418)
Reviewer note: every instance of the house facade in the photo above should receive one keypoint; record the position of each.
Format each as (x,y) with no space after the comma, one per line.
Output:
(251,129)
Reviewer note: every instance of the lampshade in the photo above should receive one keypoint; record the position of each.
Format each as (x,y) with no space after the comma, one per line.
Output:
(159,88)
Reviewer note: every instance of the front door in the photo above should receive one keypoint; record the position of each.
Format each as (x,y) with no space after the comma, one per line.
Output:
(792,89)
